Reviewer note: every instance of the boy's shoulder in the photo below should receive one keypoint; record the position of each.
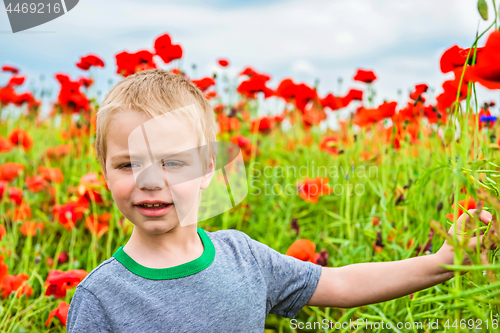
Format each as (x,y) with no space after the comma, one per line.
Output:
(101,275)
(232,238)
(228,235)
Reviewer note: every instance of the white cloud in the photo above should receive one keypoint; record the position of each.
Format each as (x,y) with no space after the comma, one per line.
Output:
(303,66)
(401,40)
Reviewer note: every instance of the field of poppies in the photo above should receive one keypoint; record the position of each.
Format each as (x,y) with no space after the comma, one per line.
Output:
(385,186)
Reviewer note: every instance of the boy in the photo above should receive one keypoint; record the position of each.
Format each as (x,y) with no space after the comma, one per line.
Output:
(174,277)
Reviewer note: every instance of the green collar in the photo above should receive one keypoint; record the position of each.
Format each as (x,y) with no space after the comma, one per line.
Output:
(175,272)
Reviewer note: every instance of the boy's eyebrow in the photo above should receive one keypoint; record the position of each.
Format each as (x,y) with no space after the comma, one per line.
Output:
(121,156)
(179,153)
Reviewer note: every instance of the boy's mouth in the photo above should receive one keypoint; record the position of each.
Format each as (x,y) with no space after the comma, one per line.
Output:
(154,206)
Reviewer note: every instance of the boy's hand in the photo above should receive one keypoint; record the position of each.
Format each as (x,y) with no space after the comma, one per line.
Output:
(464,222)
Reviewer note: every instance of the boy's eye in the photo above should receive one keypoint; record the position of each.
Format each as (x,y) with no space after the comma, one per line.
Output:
(128,165)
(166,164)
(172,164)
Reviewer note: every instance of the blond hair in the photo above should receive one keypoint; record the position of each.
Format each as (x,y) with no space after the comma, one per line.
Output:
(154,92)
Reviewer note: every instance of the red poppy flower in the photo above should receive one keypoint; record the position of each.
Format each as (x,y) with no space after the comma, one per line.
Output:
(5,145)
(166,50)
(451,87)
(131,63)
(60,312)
(333,102)
(469,203)
(486,71)
(7,95)
(255,84)
(219,108)
(366,116)
(302,249)
(12,69)
(205,83)
(330,144)
(28,98)
(59,281)
(4,269)
(88,61)
(223,62)
(36,183)
(16,195)
(10,170)
(455,57)
(15,283)
(248,72)
(245,145)
(20,137)
(16,80)
(300,93)
(314,114)
(70,212)
(51,174)
(365,76)
(3,232)
(228,124)
(312,188)
(262,124)
(85,81)
(89,186)
(29,228)
(210,94)
(58,151)
(22,212)
(451,59)
(419,90)
(70,98)
(98,225)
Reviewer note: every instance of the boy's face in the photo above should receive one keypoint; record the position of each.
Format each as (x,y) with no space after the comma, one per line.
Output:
(140,167)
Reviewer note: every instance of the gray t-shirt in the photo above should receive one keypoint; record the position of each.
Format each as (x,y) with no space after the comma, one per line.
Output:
(231,287)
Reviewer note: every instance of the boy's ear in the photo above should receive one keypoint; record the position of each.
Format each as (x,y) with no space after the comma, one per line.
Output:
(208,177)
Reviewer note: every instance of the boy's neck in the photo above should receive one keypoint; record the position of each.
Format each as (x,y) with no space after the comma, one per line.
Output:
(173,248)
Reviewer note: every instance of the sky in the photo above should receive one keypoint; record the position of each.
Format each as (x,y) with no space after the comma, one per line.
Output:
(401,41)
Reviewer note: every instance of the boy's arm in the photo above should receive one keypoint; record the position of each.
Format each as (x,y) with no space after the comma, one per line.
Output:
(367,283)
(86,314)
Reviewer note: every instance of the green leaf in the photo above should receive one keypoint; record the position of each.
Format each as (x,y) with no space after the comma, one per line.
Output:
(482,7)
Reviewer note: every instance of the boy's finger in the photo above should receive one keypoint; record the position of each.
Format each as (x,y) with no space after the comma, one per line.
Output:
(485,216)
(471,243)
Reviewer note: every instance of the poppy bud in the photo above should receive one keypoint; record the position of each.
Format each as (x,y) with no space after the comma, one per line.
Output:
(452,199)
(439,206)
(493,138)
(378,246)
(399,199)
(49,261)
(37,260)
(63,257)
(295,225)
(449,133)
(322,258)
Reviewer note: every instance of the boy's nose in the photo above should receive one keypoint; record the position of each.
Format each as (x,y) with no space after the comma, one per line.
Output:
(152,178)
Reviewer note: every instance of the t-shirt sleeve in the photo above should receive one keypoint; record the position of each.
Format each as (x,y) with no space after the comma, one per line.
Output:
(86,313)
(290,281)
